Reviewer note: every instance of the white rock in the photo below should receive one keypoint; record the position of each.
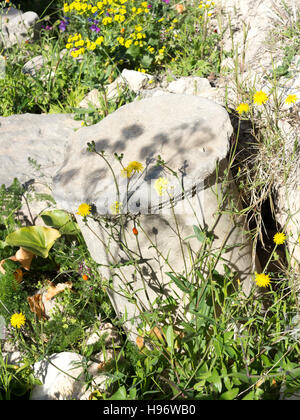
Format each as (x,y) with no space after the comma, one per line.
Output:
(39,137)
(108,331)
(62,376)
(136,80)
(189,86)
(92,97)
(13,358)
(33,66)
(15,26)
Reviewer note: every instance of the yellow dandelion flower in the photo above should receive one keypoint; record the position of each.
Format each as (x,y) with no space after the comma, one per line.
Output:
(291,99)
(242,108)
(279,238)
(17,320)
(161,185)
(260,97)
(133,167)
(84,209)
(262,280)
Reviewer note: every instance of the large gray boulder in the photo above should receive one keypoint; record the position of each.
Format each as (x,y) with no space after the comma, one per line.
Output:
(192,136)
(177,127)
(39,137)
(42,139)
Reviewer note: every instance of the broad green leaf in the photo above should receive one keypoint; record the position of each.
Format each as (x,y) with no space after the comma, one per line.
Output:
(61,220)
(229,395)
(121,394)
(37,239)
(146,61)
(134,51)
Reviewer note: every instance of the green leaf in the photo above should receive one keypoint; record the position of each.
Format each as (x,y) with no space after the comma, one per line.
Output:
(134,51)
(229,395)
(44,197)
(215,379)
(61,220)
(170,337)
(200,235)
(121,394)
(183,285)
(146,61)
(3,244)
(36,239)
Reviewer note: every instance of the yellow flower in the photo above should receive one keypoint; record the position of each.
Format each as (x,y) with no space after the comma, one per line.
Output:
(262,280)
(260,97)
(128,43)
(279,238)
(160,185)
(84,209)
(242,108)
(116,207)
(291,99)
(121,40)
(99,40)
(17,320)
(134,167)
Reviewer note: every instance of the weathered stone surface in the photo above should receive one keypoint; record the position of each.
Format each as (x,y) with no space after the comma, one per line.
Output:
(189,86)
(34,65)
(16,26)
(184,137)
(39,137)
(191,134)
(13,358)
(91,98)
(106,332)
(287,205)
(63,378)
(135,79)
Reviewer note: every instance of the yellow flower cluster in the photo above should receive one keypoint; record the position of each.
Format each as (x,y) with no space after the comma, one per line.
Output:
(116,7)
(207,6)
(110,14)
(76,41)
